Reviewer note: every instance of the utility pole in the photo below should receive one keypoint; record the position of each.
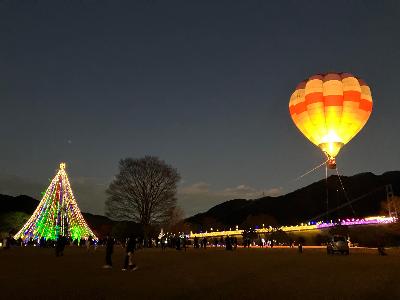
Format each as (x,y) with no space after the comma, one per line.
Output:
(392,207)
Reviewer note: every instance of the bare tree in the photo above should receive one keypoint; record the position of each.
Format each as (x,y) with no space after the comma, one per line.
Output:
(143,191)
(177,215)
(176,222)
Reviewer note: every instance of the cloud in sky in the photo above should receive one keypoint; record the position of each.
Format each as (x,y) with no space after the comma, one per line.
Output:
(200,197)
(248,192)
(196,188)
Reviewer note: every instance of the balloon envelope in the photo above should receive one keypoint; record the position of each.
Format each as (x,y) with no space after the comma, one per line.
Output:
(330,109)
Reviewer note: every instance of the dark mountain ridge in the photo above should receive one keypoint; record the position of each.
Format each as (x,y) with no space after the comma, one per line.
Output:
(367,190)
(304,204)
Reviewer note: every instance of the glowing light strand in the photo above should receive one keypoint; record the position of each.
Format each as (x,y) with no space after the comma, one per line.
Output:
(375,220)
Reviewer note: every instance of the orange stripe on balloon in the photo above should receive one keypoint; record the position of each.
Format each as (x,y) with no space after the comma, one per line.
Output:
(292,110)
(300,107)
(365,105)
(333,100)
(354,96)
(314,98)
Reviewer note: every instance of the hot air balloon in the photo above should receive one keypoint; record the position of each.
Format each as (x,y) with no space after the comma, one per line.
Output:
(330,109)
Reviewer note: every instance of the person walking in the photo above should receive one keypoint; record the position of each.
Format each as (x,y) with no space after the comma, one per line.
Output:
(109,252)
(130,248)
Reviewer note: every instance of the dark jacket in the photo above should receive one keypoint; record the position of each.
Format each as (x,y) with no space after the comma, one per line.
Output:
(131,245)
(110,245)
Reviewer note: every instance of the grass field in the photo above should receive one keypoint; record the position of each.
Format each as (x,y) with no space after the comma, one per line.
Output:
(200,274)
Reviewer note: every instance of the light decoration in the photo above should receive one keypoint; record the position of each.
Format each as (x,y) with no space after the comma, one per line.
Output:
(375,220)
(57,214)
(215,233)
(368,221)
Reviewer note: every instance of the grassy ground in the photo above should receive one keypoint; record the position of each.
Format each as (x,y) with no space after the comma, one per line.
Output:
(200,274)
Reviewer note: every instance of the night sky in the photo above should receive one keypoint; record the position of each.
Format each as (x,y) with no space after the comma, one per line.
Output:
(204,85)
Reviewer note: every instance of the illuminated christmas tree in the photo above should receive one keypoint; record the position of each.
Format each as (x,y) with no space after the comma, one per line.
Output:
(57,214)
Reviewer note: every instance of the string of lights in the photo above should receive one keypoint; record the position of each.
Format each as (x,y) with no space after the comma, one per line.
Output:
(376,220)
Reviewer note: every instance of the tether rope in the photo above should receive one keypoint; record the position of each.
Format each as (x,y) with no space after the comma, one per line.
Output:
(346,204)
(345,193)
(310,171)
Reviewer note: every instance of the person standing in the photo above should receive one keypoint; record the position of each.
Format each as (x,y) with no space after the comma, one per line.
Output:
(178,243)
(184,242)
(228,244)
(130,248)
(163,243)
(59,243)
(109,252)
(196,242)
(300,248)
(205,243)
(87,244)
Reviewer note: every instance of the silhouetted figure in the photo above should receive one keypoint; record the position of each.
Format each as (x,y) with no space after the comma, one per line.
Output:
(42,243)
(228,243)
(6,243)
(184,243)
(130,248)
(163,243)
(381,249)
(300,248)
(235,242)
(196,242)
(109,252)
(204,242)
(178,243)
(60,245)
(87,244)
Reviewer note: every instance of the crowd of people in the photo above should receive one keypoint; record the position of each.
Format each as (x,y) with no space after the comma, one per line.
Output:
(229,242)
(133,243)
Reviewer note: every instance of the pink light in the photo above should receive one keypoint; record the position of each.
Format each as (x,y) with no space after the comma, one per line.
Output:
(366,221)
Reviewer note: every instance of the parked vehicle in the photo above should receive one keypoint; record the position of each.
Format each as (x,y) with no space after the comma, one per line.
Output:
(338,244)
